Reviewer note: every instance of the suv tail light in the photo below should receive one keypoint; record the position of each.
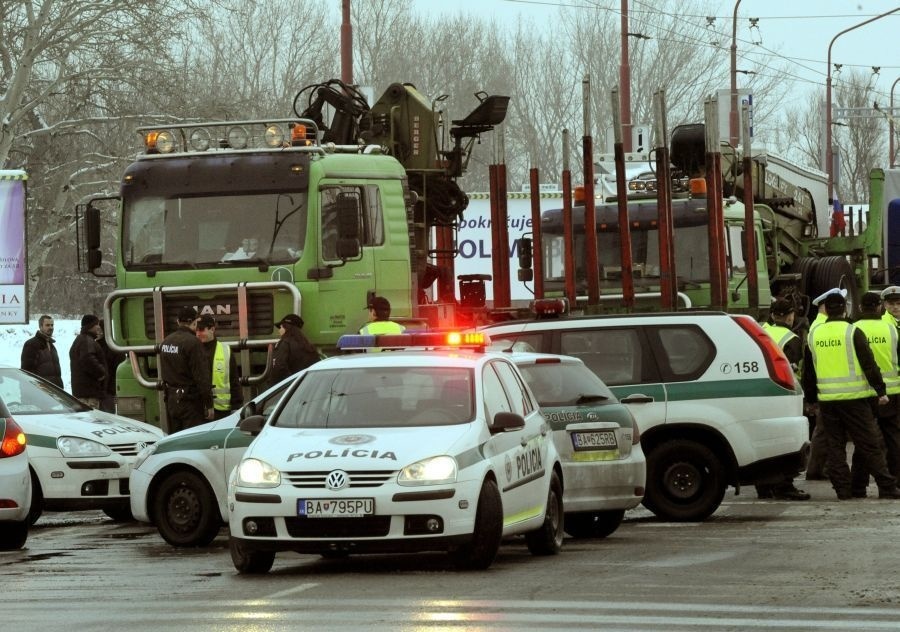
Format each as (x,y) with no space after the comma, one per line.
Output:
(636,433)
(13,442)
(779,368)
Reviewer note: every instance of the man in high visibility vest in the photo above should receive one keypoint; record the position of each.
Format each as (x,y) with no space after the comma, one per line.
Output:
(885,344)
(840,374)
(227,394)
(782,315)
(891,298)
(815,467)
(379,318)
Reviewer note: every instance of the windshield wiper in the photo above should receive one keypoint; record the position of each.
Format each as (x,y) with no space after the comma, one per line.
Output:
(584,398)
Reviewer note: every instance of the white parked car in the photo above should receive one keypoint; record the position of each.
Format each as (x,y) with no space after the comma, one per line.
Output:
(15,483)
(400,451)
(597,439)
(179,482)
(80,458)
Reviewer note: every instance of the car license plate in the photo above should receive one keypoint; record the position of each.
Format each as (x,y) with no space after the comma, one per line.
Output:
(339,508)
(596,440)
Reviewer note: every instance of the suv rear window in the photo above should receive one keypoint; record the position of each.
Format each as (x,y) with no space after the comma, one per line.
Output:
(684,352)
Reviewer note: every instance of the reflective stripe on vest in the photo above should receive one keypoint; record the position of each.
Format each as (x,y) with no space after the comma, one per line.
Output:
(220,378)
(779,333)
(838,373)
(882,337)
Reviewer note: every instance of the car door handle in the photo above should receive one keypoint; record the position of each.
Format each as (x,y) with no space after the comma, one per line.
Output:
(637,398)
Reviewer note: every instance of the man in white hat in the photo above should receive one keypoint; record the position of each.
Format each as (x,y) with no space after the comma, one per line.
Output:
(890,296)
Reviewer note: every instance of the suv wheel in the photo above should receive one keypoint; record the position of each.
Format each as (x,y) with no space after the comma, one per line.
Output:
(685,481)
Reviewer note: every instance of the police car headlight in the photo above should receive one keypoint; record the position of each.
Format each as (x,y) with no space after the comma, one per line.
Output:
(256,473)
(143,455)
(76,446)
(433,471)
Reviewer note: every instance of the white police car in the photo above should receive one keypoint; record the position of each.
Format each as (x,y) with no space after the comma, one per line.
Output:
(15,483)
(597,439)
(402,451)
(179,483)
(80,458)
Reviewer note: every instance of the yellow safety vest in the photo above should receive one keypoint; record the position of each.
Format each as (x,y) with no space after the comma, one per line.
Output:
(779,333)
(377,327)
(220,378)
(839,376)
(882,337)
(889,318)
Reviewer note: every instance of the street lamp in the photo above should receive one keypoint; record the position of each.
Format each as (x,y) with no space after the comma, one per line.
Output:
(829,150)
(733,114)
(891,124)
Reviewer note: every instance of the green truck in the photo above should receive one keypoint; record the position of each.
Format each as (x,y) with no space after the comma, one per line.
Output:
(251,220)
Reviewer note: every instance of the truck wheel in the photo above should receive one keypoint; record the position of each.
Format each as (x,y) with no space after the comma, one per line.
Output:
(593,524)
(185,510)
(13,535)
(806,267)
(480,552)
(549,538)
(685,481)
(37,500)
(837,272)
(249,561)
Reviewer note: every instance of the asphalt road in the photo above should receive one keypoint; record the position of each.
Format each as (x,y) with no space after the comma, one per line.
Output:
(816,565)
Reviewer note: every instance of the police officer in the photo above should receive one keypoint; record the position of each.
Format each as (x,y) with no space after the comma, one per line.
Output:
(885,344)
(227,395)
(379,318)
(293,352)
(779,328)
(815,468)
(184,369)
(840,374)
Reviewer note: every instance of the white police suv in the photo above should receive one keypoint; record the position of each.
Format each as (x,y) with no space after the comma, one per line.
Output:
(715,398)
(433,449)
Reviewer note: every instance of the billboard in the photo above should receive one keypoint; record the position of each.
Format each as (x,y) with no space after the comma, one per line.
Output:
(13,309)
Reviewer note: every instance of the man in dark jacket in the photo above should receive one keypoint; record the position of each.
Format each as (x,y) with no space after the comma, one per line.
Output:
(227,394)
(88,364)
(184,369)
(39,353)
(113,360)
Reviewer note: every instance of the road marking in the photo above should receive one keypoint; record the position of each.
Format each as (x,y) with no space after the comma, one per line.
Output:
(290,591)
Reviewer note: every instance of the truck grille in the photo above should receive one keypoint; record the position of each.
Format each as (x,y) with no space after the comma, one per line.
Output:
(224,307)
(358,479)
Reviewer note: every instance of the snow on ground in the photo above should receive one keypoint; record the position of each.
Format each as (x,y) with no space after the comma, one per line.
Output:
(12,337)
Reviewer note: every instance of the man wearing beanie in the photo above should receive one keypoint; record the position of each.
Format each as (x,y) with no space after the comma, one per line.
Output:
(185,370)
(88,363)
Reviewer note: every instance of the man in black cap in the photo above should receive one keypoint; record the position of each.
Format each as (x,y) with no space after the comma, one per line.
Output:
(184,369)
(883,337)
(380,318)
(780,329)
(88,363)
(841,376)
(293,352)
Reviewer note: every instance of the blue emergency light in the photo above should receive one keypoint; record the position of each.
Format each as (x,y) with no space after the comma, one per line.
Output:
(431,340)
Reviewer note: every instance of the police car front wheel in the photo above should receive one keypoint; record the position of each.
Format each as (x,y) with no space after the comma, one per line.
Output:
(549,538)
(479,553)
(249,561)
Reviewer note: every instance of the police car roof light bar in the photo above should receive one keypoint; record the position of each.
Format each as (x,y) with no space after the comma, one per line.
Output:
(450,340)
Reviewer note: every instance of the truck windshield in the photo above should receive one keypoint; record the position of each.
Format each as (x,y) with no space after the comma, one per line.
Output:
(214,230)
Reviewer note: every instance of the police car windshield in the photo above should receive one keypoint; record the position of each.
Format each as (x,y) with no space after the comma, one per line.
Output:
(565,384)
(380,397)
(25,394)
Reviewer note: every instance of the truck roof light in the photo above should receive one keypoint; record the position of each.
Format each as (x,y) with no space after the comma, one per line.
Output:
(274,136)
(238,137)
(550,307)
(433,340)
(579,193)
(200,139)
(298,135)
(159,141)
(698,186)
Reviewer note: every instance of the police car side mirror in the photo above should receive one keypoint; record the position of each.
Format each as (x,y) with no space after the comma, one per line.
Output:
(252,425)
(506,422)
(248,410)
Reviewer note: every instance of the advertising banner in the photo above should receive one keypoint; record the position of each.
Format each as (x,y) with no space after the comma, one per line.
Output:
(12,247)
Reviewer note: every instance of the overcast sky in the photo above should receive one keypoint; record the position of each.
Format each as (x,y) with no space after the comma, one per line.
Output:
(793,31)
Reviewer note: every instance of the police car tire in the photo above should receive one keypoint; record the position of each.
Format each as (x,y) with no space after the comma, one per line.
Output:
(37,500)
(685,481)
(479,553)
(593,524)
(13,535)
(249,561)
(188,494)
(549,538)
